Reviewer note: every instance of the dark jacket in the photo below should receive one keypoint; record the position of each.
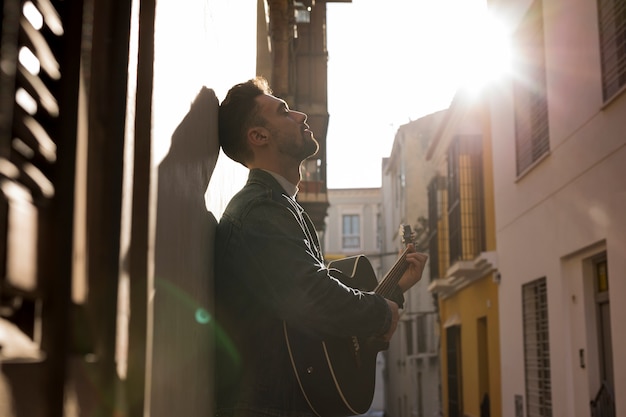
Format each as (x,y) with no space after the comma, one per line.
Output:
(270,269)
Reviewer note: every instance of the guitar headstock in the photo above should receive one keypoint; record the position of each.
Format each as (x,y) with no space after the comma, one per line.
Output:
(407,234)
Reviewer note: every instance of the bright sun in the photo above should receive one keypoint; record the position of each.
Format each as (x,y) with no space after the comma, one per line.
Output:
(485,51)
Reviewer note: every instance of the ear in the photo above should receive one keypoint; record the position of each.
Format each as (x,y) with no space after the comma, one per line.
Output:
(257,136)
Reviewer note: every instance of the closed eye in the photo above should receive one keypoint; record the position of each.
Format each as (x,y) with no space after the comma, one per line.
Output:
(283,108)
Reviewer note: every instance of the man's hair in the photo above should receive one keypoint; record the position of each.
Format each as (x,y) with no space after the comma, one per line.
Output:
(238,112)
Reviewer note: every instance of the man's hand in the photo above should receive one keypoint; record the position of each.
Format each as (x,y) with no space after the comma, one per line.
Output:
(413,273)
(395,316)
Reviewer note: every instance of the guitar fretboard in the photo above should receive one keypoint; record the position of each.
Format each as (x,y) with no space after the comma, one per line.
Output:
(386,286)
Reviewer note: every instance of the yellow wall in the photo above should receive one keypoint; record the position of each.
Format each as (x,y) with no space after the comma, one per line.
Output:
(480,299)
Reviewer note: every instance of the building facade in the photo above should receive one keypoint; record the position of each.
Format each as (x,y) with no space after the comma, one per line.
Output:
(298,68)
(412,373)
(559,163)
(463,273)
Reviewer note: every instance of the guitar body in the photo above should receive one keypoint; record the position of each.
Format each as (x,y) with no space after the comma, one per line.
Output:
(357,272)
(337,376)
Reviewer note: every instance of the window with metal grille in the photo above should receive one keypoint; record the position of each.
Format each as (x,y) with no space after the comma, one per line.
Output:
(532,133)
(422,335)
(612,23)
(408,332)
(465,198)
(536,349)
(379,230)
(437,226)
(351,231)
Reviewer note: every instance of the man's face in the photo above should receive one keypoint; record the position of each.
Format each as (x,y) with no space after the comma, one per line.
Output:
(289,132)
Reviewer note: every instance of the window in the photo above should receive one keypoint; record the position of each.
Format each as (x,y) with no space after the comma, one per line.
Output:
(437,226)
(612,22)
(532,136)
(408,331)
(302,14)
(351,231)
(536,349)
(379,230)
(465,198)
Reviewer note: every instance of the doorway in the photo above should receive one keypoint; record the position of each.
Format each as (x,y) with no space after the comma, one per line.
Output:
(603,403)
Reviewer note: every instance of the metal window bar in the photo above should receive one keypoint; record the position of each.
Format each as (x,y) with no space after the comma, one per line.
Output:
(471,180)
(444,227)
(454,220)
(408,332)
(437,224)
(532,139)
(603,405)
(422,338)
(536,349)
(465,193)
(454,209)
(612,23)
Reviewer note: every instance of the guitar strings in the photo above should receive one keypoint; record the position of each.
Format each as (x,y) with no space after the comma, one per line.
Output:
(393,276)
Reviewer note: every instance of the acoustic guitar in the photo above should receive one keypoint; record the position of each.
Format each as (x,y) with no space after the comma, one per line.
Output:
(337,376)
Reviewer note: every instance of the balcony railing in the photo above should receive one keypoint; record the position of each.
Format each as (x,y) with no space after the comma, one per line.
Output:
(603,405)
(313,187)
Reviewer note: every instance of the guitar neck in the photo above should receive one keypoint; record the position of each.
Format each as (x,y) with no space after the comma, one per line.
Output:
(391,279)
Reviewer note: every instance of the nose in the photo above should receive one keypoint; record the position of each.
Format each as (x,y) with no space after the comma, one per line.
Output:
(300,117)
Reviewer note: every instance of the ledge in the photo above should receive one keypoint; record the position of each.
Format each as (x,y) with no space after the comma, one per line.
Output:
(464,273)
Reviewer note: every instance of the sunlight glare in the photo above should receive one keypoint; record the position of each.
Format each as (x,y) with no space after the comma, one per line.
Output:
(486,51)
(32,14)
(29,60)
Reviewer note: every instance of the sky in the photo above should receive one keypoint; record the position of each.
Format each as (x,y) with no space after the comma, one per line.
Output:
(389,65)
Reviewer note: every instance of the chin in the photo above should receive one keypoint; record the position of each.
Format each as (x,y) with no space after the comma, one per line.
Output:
(316,149)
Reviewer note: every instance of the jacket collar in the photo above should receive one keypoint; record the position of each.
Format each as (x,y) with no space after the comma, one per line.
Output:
(266,178)
(277,183)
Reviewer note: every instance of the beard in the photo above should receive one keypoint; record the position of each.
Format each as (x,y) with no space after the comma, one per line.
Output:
(300,149)
(311,145)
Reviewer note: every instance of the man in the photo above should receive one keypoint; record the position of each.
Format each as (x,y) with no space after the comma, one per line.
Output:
(269,266)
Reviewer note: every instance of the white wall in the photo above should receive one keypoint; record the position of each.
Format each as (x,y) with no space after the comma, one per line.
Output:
(364,202)
(404,204)
(206,43)
(212,44)
(569,206)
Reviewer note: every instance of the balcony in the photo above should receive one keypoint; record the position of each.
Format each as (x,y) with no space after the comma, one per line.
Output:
(313,197)
(463,273)
(311,188)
